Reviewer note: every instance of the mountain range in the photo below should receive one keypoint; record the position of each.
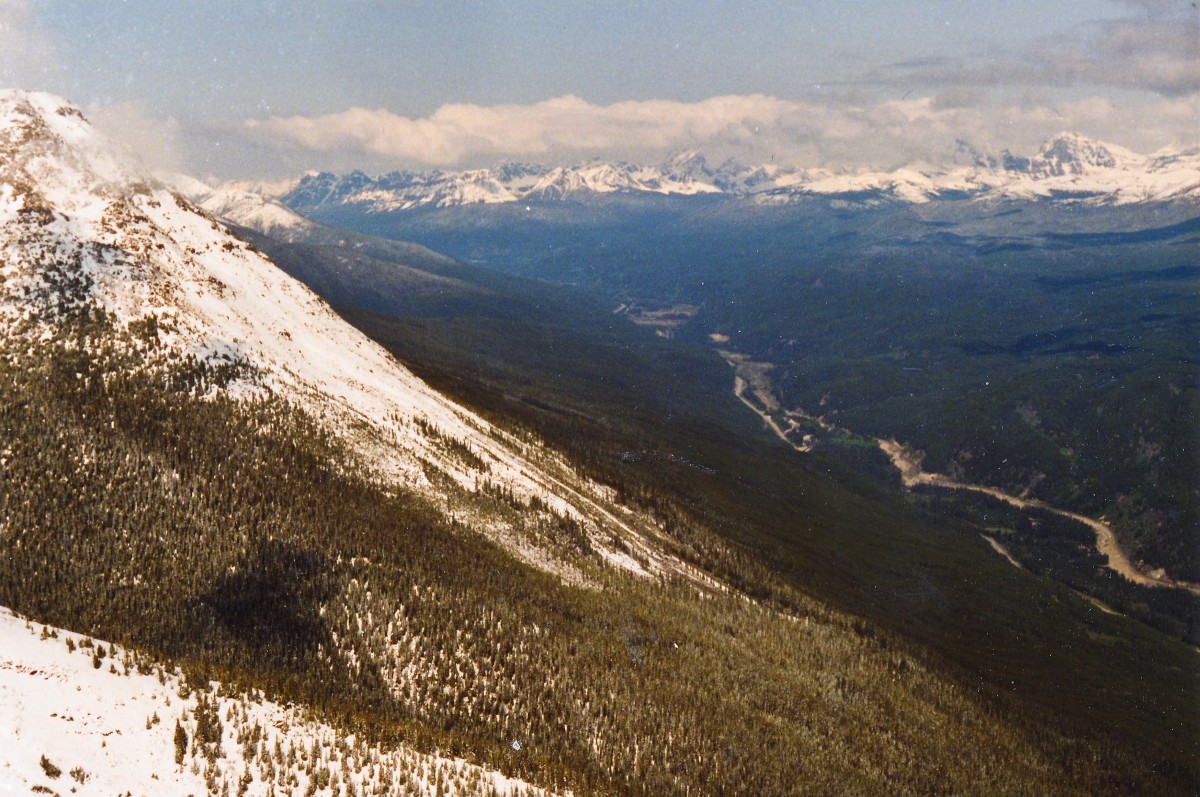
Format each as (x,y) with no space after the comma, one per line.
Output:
(1068,167)
(264,555)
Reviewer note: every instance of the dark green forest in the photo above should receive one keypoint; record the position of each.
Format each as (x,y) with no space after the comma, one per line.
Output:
(1010,342)
(241,543)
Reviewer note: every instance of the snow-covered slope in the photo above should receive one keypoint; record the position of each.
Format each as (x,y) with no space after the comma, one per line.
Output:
(83,716)
(505,183)
(1068,167)
(607,178)
(81,226)
(247,206)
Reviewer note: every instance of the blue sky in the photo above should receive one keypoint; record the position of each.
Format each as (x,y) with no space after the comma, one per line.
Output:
(258,88)
(412,57)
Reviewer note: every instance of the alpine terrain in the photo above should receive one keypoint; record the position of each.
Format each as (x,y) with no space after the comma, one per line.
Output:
(1067,167)
(1024,324)
(248,550)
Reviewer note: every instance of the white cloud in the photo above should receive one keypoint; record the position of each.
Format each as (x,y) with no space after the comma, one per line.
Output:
(458,132)
(155,141)
(753,128)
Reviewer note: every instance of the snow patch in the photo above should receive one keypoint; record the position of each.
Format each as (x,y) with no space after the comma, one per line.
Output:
(71,726)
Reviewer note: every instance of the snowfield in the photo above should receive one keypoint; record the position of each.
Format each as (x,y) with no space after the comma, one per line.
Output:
(73,722)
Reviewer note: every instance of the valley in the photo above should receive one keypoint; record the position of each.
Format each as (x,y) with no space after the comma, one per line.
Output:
(428,516)
(505,355)
(1014,326)
(918,365)
(752,386)
(1106,542)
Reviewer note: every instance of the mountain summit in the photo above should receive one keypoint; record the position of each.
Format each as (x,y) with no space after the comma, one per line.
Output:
(1072,154)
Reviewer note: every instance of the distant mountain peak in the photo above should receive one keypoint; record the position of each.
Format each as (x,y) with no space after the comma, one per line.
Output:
(1068,167)
(1067,153)
(688,165)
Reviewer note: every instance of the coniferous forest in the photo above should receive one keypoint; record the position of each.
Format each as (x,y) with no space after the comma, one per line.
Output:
(239,541)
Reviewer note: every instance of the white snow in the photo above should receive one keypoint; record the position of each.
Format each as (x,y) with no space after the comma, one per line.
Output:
(9,204)
(111,730)
(147,252)
(1068,167)
(606,178)
(237,205)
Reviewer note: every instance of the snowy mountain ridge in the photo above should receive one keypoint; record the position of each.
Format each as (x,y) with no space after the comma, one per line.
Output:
(82,228)
(1068,167)
(248,205)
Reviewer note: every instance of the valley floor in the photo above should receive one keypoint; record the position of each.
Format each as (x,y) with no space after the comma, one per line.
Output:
(752,386)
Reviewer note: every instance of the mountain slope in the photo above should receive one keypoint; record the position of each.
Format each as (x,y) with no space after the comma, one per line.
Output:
(203,463)
(154,263)
(138,726)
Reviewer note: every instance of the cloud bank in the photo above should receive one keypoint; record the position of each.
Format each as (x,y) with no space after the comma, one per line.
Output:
(459,132)
(1133,80)
(754,128)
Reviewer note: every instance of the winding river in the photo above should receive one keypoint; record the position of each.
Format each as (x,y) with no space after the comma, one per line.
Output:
(752,387)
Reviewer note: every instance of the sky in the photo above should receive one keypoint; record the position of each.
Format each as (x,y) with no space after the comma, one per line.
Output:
(266,89)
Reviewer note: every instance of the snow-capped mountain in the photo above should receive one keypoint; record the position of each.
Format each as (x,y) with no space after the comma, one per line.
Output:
(245,205)
(1072,154)
(406,190)
(506,183)
(1068,167)
(82,228)
(606,178)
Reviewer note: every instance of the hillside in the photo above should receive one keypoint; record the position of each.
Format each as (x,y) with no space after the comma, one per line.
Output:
(204,466)
(134,725)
